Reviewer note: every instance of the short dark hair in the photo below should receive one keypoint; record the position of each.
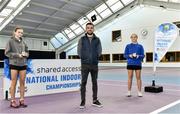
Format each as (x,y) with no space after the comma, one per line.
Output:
(90,24)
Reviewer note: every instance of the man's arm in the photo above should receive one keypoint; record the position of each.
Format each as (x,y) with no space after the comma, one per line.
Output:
(79,47)
(99,48)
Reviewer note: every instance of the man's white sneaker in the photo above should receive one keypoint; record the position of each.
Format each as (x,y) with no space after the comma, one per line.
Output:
(82,105)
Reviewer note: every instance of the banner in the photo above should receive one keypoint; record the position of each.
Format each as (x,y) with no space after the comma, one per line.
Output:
(165,35)
(47,77)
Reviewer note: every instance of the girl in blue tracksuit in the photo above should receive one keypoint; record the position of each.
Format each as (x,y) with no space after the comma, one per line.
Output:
(134,53)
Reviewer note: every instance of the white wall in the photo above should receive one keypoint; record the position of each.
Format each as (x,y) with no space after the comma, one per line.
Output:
(133,22)
(33,44)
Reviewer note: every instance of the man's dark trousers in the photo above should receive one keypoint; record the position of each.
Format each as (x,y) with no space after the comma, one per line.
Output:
(85,69)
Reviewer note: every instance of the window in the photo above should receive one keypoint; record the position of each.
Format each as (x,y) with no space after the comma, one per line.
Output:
(177,23)
(10,10)
(79,30)
(73,57)
(175,1)
(101,8)
(67,31)
(84,25)
(177,56)
(1,19)
(117,6)
(6,12)
(83,20)
(71,35)
(149,57)
(61,38)
(104,58)
(45,43)
(162,0)
(74,26)
(168,57)
(116,36)
(105,13)
(55,42)
(14,3)
(126,2)
(111,2)
(116,58)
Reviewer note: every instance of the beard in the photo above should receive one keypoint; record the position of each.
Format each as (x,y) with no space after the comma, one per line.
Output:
(90,33)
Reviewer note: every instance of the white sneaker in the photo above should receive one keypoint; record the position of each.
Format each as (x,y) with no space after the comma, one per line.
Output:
(82,105)
(139,94)
(129,94)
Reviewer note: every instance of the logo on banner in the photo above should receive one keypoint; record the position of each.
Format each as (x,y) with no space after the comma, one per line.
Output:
(47,77)
(7,72)
(165,35)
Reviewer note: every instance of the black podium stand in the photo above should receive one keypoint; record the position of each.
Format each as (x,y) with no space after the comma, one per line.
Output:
(153,88)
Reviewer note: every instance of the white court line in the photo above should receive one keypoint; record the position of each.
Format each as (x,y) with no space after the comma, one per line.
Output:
(113,80)
(112,84)
(171,90)
(135,81)
(156,111)
(126,85)
(165,107)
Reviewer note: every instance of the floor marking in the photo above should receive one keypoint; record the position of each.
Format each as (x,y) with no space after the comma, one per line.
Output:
(165,107)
